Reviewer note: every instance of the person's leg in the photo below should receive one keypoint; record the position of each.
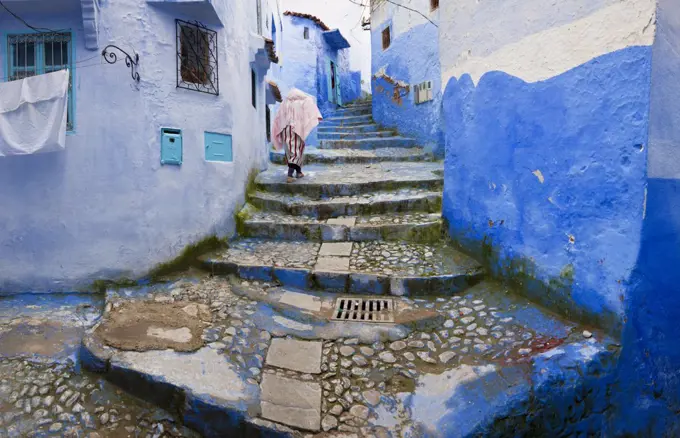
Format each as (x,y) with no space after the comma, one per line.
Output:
(291,169)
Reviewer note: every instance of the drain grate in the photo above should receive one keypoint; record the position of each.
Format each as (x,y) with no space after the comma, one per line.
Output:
(364,310)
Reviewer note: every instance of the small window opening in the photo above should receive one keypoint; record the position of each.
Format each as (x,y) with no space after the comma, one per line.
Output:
(306,33)
(253,78)
(268,123)
(386,38)
(434,4)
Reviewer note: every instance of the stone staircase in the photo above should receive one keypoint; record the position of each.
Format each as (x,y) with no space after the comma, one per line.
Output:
(365,219)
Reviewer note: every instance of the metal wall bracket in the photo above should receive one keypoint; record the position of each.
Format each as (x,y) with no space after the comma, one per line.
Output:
(112,58)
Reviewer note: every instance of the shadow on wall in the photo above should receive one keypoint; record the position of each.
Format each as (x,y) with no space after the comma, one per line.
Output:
(649,375)
(546,180)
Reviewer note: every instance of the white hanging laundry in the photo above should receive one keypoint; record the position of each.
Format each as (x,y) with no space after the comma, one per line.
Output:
(33,114)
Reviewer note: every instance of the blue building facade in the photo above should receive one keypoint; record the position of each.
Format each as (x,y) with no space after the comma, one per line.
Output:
(406,75)
(317,62)
(561,138)
(149,166)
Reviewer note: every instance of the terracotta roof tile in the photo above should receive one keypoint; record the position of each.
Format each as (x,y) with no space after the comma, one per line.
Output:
(271,50)
(275,91)
(316,20)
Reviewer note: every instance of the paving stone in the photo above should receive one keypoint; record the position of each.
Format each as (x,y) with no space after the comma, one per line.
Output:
(291,354)
(338,249)
(291,402)
(301,301)
(332,264)
(344,221)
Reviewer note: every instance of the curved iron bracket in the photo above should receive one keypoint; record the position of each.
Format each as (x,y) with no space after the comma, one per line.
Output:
(112,58)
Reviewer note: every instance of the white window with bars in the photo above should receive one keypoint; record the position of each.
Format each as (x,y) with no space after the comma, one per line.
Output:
(33,54)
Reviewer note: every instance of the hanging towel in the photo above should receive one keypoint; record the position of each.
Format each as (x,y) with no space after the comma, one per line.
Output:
(33,114)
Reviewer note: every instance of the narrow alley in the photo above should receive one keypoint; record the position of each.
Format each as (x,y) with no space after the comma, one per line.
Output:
(339,219)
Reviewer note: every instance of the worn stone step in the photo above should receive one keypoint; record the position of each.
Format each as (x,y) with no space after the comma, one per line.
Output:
(372,143)
(347,120)
(358,156)
(411,227)
(352,135)
(381,268)
(353,179)
(404,200)
(352,111)
(368,127)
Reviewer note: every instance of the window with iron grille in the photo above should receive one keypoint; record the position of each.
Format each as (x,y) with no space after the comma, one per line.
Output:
(386,38)
(197,66)
(38,53)
(434,4)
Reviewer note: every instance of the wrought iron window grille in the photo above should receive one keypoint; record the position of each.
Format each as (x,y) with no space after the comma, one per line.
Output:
(197,58)
(37,53)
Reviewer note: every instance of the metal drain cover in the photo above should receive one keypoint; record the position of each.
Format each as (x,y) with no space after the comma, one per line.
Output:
(364,310)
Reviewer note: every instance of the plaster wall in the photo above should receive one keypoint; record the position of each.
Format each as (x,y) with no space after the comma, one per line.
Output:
(105,207)
(411,58)
(546,122)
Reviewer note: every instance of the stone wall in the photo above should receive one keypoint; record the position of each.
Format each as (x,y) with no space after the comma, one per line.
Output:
(105,207)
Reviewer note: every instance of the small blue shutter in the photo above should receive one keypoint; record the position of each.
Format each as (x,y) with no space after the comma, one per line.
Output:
(218,147)
(171,146)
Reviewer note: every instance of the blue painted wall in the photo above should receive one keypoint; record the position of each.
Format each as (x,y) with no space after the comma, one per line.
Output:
(577,225)
(105,207)
(411,58)
(597,231)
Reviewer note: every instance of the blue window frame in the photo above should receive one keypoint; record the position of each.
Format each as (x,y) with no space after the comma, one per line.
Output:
(33,54)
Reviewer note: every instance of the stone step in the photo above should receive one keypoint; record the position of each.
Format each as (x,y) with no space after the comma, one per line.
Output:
(352,111)
(348,120)
(372,143)
(369,127)
(322,181)
(405,200)
(348,156)
(381,268)
(413,227)
(352,135)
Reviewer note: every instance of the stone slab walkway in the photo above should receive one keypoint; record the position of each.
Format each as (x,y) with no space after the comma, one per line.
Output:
(356,156)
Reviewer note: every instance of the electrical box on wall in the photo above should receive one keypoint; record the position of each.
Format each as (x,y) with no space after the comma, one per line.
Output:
(218,147)
(422,92)
(171,146)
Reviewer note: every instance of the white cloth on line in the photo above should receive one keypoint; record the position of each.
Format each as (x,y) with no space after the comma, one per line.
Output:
(33,114)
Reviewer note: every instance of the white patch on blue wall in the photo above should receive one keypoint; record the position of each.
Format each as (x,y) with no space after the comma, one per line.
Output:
(551,52)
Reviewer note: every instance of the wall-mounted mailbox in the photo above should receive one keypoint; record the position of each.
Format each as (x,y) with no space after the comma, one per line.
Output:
(218,147)
(171,146)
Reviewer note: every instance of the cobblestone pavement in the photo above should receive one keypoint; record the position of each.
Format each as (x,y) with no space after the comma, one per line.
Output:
(343,385)
(43,391)
(53,399)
